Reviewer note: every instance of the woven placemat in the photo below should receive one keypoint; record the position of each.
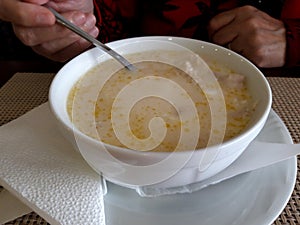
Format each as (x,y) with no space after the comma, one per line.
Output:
(25,91)
(286,102)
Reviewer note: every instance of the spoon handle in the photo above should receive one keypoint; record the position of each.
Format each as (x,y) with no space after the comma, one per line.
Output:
(63,21)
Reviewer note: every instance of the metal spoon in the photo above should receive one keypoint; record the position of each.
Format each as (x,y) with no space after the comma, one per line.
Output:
(63,21)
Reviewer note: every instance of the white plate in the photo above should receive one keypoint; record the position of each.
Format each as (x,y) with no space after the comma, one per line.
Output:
(257,197)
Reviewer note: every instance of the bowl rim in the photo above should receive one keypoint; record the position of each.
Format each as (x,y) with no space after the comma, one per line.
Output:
(69,125)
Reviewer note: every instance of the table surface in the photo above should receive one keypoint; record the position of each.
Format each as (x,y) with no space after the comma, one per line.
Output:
(24,91)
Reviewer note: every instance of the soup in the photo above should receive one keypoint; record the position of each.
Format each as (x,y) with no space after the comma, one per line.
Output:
(98,123)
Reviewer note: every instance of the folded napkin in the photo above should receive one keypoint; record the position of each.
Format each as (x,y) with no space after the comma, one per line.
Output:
(44,171)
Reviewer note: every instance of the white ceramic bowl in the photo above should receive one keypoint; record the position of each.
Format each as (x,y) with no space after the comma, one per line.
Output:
(133,168)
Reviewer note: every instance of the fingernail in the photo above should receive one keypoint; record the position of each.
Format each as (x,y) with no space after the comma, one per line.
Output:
(79,18)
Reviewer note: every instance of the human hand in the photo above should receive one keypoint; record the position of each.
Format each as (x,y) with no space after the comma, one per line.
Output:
(252,33)
(35,25)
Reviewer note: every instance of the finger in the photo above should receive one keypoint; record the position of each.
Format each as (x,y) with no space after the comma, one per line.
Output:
(251,43)
(265,50)
(225,35)
(270,22)
(251,24)
(37,2)
(39,35)
(253,15)
(67,47)
(219,21)
(65,6)
(73,50)
(51,48)
(25,14)
(259,21)
(64,54)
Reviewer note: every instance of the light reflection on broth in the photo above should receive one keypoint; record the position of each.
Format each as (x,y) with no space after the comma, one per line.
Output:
(239,105)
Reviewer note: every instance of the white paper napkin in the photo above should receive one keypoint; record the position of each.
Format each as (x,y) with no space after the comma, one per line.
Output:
(44,171)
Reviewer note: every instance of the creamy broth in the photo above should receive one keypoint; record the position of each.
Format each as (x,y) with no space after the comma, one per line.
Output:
(238,103)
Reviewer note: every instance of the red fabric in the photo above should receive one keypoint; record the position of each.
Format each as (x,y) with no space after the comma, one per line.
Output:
(188,18)
(290,15)
(291,9)
(109,20)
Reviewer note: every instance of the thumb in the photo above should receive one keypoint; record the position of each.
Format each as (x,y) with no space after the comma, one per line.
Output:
(37,2)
